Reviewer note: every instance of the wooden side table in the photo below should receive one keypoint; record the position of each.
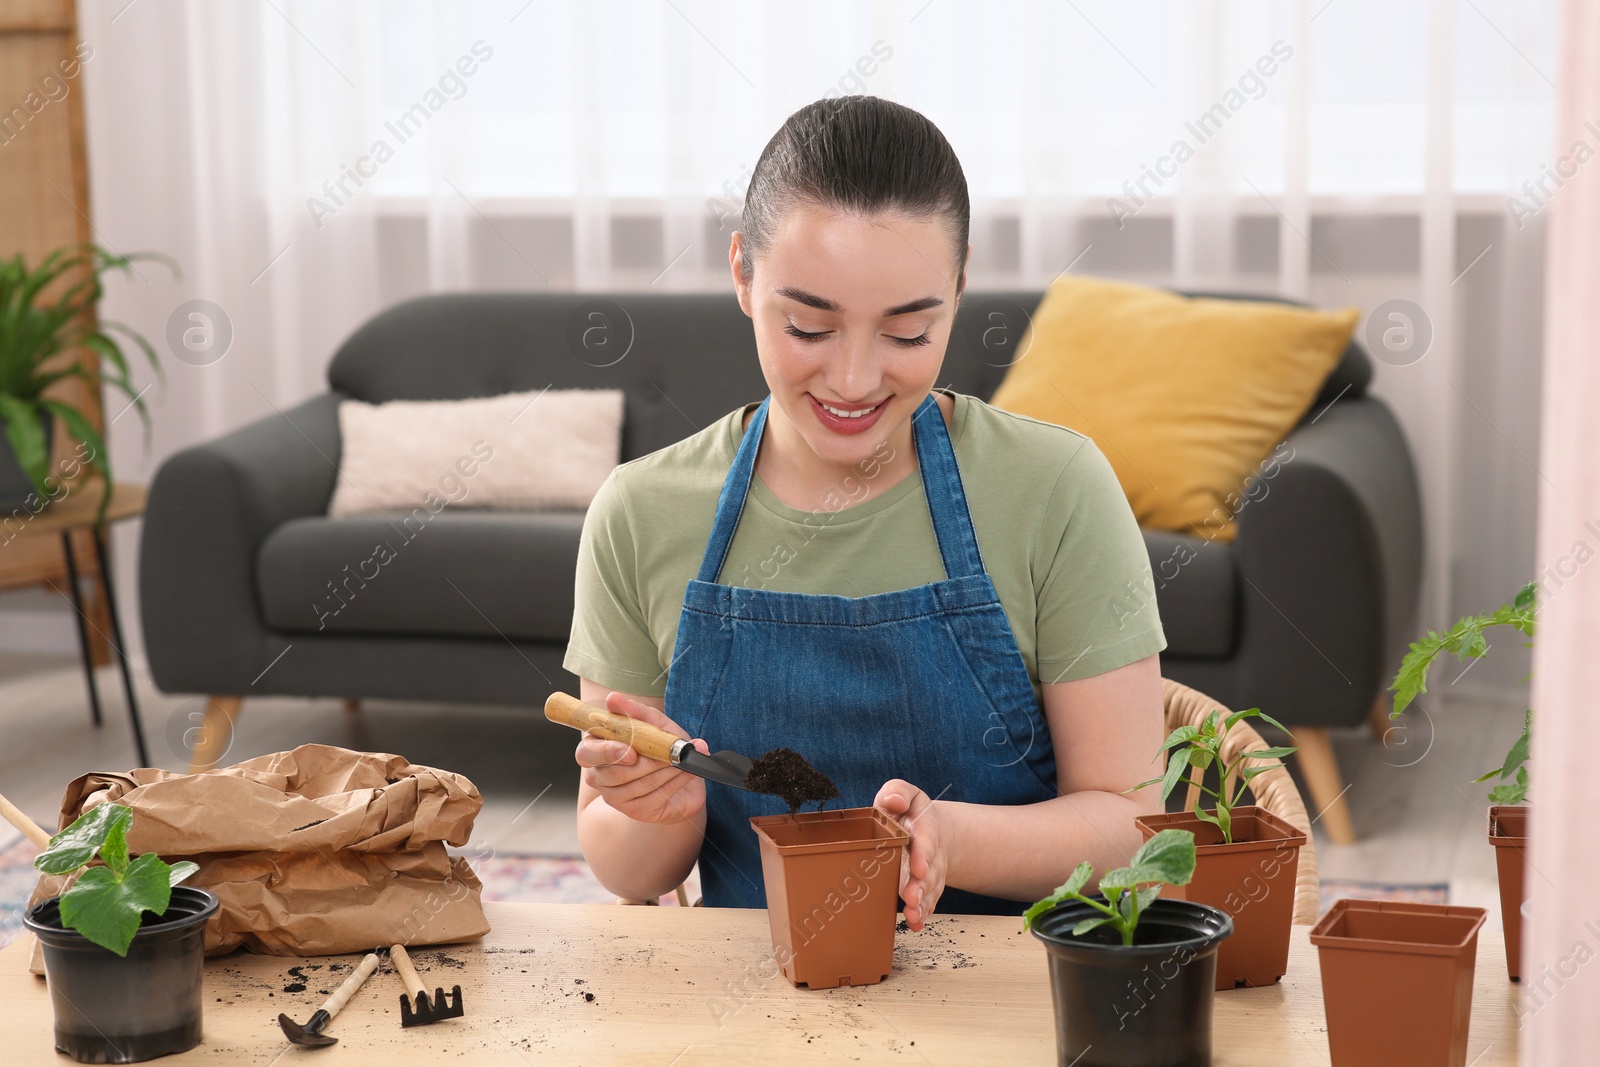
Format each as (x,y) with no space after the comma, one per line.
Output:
(62,519)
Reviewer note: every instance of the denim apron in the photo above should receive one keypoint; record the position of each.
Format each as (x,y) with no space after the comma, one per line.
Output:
(924,684)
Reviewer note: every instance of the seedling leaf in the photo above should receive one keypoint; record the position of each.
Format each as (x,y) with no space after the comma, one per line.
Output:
(1179,736)
(114,850)
(1067,890)
(78,843)
(1167,857)
(107,903)
(1168,853)
(1511,793)
(1177,764)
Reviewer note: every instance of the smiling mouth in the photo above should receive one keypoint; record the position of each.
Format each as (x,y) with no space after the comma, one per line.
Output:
(849,413)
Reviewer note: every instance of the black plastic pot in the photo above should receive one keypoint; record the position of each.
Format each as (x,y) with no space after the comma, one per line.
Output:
(15,488)
(115,1009)
(1142,1005)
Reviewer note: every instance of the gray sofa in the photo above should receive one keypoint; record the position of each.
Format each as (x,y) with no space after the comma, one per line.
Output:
(1305,615)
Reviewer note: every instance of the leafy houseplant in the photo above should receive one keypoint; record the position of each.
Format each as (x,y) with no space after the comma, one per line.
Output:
(1167,858)
(123,946)
(1201,747)
(107,904)
(1466,641)
(1132,972)
(1508,813)
(40,339)
(1247,858)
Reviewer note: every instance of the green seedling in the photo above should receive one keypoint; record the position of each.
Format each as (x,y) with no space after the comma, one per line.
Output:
(1165,859)
(1465,641)
(1201,747)
(107,903)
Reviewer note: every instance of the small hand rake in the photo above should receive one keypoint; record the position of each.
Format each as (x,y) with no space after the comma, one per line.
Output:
(416,1009)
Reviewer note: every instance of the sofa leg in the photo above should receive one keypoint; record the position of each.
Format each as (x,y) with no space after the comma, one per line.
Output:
(1327,787)
(215,737)
(1378,717)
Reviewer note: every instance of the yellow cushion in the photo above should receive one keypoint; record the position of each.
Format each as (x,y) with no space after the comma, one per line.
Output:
(1185,396)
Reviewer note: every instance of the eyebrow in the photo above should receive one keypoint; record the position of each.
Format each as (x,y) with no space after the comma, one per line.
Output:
(822,303)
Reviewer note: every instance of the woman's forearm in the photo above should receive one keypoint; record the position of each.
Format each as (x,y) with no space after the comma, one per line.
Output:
(1023,852)
(637,860)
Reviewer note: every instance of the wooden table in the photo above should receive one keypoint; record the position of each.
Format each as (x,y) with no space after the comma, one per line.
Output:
(670,987)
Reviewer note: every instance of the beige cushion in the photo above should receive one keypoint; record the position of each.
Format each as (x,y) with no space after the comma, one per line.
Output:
(542,449)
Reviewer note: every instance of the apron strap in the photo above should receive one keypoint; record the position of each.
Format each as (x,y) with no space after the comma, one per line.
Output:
(735,488)
(941,483)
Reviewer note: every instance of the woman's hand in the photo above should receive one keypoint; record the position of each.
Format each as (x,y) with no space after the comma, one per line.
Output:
(923,867)
(646,790)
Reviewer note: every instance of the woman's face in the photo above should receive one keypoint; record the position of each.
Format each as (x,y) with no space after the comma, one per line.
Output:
(852,314)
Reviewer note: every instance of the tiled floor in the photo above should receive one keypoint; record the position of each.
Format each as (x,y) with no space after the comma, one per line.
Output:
(1419,817)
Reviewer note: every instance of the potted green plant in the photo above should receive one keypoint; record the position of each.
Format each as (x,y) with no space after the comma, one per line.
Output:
(1132,972)
(123,946)
(832,881)
(1397,981)
(1247,858)
(1508,811)
(41,337)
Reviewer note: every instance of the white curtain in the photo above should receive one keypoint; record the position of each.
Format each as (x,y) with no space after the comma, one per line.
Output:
(311,162)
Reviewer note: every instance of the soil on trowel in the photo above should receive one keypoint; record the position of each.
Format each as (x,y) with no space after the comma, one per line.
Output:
(784,773)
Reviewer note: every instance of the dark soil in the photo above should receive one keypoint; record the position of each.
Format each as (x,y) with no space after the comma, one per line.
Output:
(784,773)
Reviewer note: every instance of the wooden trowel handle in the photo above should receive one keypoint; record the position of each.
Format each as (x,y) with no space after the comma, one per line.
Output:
(643,738)
(30,829)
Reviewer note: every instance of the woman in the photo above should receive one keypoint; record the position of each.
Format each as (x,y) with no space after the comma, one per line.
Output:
(927,597)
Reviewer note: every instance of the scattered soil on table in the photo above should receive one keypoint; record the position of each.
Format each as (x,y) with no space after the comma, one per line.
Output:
(931,949)
(784,773)
(440,959)
(295,987)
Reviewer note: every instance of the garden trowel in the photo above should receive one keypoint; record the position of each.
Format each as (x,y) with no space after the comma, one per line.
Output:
(729,768)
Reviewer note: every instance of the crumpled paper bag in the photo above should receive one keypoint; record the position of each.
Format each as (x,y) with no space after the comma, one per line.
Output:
(314,851)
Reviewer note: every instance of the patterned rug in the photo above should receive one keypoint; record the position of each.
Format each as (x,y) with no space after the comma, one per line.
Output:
(1410,894)
(519,878)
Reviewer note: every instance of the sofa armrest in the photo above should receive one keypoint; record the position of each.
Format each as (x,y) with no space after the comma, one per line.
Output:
(1330,555)
(210,508)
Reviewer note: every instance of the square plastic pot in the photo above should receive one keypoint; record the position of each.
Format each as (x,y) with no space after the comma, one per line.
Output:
(1397,981)
(1252,879)
(1508,833)
(833,881)
(1147,1004)
(124,1009)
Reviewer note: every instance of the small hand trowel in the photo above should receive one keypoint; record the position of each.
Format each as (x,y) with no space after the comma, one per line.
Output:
(729,768)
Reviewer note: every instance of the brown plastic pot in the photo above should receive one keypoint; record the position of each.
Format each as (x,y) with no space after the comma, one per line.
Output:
(1397,981)
(833,881)
(1252,879)
(1508,833)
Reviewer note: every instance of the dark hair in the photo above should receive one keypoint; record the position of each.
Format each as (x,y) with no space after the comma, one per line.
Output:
(860,154)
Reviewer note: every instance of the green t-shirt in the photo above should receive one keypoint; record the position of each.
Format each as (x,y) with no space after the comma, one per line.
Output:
(1054,529)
